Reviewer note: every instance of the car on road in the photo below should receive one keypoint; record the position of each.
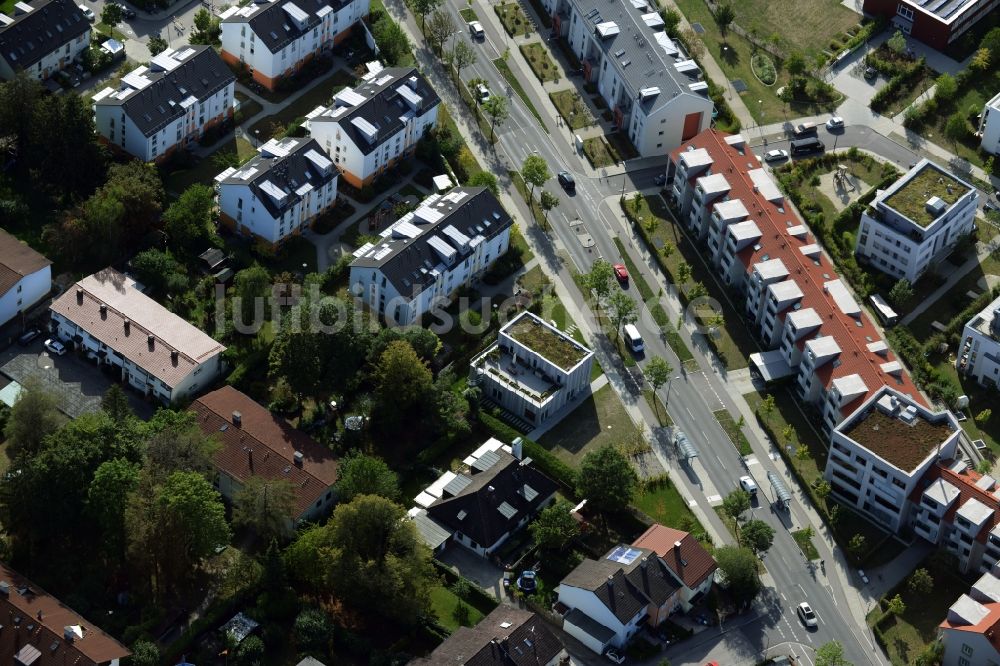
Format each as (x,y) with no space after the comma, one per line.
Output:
(621,272)
(29,336)
(482,92)
(567,181)
(476,30)
(775,155)
(55,347)
(127,13)
(88,13)
(807,615)
(804,129)
(836,122)
(748,484)
(614,657)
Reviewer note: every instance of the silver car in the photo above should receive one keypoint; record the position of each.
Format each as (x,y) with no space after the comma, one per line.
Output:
(807,615)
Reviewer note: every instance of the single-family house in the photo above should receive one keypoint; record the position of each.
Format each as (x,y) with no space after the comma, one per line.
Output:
(692,566)
(25,277)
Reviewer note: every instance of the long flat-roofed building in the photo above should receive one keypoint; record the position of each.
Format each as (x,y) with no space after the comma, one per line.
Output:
(937,23)
(979,350)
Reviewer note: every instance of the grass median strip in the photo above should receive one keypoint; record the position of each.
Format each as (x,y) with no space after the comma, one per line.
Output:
(734,430)
(508,75)
(804,539)
(645,291)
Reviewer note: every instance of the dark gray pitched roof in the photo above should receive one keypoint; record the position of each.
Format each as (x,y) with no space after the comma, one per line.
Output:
(410,263)
(526,640)
(273,26)
(200,74)
(650,576)
(626,580)
(379,102)
(288,164)
(35,34)
(494,501)
(593,628)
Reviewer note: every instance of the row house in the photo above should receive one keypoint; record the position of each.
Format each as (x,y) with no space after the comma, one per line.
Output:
(371,128)
(654,89)
(167,105)
(424,257)
(813,329)
(273,39)
(42,37)
(280,192)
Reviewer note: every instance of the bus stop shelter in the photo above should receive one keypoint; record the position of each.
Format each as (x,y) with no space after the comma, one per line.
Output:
(685,449)
(782,496)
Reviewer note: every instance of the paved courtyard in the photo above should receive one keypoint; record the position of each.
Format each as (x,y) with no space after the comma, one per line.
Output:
(480,571)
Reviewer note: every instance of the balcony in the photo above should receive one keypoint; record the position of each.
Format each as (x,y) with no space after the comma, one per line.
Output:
(510,371)
(925,531)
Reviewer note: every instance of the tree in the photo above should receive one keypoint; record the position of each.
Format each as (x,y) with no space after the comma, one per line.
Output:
(187,220)
(460,589)
(554,527)
(901,292)
(831,654)
(547,201)
(823,490)
(497,111)
(403,386)
(897,42)
(981,61)
(984,415)
(895,606)
(33,417)
(671,20)
(735,504)
(767,406)
(159,271)
(265,505)
(207,28)
(796,64)
(114,403)
(802,453)
(157,45)
(600,279)
(107,498)
(739,565)
(485,179)
(393,44)
(313,630)
(657,372)
(422,8)
(177,444)
(606,480)
(984,466)
(857,546)
(622,310)
(535,172)
(945,88)
(920,583)
(112,15)
(724,15)
(360,474)
(757,536)
(145,653)
(683,273)
(462,56)
(250,651)
(439,29)
(957,127)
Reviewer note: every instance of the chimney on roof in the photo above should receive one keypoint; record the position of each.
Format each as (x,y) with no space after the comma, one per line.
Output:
(237,419)
(644,562)
(127,323)
(4,588)
(104,310)
(150,341)
(79,296)
(611,581)
(677,545)
(298,458)
(39,615)
(174,355)
(249,457)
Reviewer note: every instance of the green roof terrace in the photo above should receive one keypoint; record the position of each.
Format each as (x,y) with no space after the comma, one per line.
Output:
(926,195)
(553,345)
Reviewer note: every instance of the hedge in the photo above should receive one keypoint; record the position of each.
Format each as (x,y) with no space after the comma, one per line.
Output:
(884,97)
(548,463)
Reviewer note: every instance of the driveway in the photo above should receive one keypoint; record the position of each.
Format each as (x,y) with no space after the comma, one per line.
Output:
(483,573)
(77,384)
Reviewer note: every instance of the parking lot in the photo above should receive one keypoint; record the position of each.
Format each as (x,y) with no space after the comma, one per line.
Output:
(78,384)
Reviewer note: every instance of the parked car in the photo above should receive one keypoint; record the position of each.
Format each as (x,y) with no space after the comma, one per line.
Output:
(476,30)
(528,581)
(807,615)
(29,336)
(567,181)
(614,657)
(88,13)
(871,73)
(55,347)
(805,129)
(621,272)
(775,155)
(836,122)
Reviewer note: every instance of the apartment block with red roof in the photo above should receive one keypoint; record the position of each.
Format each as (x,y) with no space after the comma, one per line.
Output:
(971,633)
(796,303)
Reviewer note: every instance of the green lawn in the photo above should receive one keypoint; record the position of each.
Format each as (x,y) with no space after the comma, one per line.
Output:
(206,169)
(248,107)
(621,146)
(951,304)
(804,540)
(514,20)
(734,432)
(600,419)
(295,252)
(515,83)
(541,62)
(808,26)
(979,399)
(319,94)
(662,502)
(599,152)
(658,408)
(444,603)
(469,14)
(572,107)
(7,6)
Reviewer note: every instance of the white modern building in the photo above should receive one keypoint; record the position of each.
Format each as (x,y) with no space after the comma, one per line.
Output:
(272,39)
(25,277)
(971,630)
(167,105)
(107,319)
(42,37)
(369,129)
(423,258)
(989,126)
(979,355)
(653,88)
(917,221)
(533,370)
(279,192)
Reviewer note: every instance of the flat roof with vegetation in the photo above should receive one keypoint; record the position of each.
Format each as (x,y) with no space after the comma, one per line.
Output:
(897,442)
(539,337)
(912,196)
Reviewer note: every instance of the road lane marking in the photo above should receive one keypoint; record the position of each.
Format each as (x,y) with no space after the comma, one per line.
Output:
(783,596)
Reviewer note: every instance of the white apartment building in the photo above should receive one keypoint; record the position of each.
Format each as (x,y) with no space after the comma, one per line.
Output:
(971,630)
(534,370)
(652,87)
(989,126)
(279,192)
(167,105)
(42,37)
(272,39)
(424,257)
(979,355)
(25,277)
(372,127)
(107,319)
(799,309)
(917,221)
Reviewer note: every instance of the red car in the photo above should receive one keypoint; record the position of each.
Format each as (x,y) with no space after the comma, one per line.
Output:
(621,272)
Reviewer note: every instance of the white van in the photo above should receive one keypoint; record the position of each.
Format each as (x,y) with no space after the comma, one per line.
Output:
(633,338)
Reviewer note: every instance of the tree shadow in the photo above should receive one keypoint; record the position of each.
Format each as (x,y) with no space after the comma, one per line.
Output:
(728,54)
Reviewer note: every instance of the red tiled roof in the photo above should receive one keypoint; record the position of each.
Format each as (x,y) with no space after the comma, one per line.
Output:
(778,244)
(264,445)
(989,626)
(42,623)
(966,484)
(697,563)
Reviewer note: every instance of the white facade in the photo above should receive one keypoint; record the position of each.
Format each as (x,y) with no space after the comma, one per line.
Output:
(25,293)
(269,59)
(57,26)
(979,355)
(279,192)
(892,242)
(989,126)
(121,116)
(588,604)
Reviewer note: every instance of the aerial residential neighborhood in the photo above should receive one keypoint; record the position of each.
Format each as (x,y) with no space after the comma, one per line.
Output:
(440,332)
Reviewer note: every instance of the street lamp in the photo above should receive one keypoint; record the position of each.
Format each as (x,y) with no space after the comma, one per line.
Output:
(569,125)
(760,105)
(670,381)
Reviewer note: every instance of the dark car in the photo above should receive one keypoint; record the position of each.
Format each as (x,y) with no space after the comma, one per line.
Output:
(871,73)
(566,180)
(29,336)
